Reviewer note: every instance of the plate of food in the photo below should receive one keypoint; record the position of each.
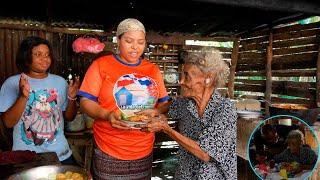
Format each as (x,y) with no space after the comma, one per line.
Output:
(134,121)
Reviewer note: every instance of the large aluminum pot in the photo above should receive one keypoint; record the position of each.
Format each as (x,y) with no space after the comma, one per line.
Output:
(49,172)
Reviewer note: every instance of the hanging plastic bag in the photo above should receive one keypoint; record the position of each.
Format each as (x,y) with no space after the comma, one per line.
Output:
(87,44)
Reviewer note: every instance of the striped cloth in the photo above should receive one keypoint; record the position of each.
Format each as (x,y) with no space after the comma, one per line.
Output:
(107,167)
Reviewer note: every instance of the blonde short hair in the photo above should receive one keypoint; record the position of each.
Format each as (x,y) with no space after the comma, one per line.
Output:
(209,59)
(130,24)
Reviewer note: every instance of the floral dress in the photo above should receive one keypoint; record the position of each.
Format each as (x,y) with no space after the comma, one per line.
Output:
(215,132)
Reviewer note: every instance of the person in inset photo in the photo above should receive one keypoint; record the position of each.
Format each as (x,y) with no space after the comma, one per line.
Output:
(280,151)
(270,139)
(297,153)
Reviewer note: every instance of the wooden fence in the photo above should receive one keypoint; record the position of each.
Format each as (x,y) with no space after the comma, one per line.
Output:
(279,64)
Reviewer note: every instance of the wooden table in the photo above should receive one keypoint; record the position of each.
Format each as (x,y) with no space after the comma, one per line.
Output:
(41,159)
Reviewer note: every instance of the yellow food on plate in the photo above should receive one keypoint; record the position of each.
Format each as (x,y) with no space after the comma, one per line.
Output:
(136,118)
(69,176)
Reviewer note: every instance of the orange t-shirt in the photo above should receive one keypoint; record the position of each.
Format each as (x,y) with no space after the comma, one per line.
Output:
(117,85)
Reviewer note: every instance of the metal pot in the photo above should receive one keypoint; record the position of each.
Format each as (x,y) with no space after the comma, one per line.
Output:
(48,172)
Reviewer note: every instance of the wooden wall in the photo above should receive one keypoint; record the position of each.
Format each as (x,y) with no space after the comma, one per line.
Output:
(269,60)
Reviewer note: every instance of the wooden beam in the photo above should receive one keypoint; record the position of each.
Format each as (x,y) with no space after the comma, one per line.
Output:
(268,91)
(234,59)
(318,79)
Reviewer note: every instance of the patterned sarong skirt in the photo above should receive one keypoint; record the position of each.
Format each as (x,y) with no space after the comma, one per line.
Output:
(106,167)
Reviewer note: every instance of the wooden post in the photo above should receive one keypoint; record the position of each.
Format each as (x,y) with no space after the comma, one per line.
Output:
(234,59)
(268,76)
(318,78)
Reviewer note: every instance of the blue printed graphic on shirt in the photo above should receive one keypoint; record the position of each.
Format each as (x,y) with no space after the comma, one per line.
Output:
(41,118)
(134,92)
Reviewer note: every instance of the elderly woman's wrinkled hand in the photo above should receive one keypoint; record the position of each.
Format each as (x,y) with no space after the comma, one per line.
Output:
(149,112)
(156,124)
(115,120)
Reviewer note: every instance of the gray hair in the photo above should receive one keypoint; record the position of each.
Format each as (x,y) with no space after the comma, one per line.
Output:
(209,59)
(296,135)
(130,24)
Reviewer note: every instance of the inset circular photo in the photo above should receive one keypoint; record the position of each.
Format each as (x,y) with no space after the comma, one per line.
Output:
(284,147)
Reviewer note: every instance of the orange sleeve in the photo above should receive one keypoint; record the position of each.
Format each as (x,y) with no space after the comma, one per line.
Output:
(91,84)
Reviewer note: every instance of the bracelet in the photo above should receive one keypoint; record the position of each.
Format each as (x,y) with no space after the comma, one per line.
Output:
(72,99)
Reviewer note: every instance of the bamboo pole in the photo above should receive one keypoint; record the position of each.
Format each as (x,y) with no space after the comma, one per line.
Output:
(268,75)
(234,59)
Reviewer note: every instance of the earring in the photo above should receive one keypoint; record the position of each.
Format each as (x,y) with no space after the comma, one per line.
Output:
(207,81)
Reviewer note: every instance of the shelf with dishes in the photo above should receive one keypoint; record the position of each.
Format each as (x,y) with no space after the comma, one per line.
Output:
(166,56)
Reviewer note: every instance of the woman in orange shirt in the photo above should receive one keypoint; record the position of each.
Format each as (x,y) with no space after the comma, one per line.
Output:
(121,84)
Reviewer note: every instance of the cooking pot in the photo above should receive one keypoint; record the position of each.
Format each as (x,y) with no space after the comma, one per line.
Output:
(309,116)
(49,172)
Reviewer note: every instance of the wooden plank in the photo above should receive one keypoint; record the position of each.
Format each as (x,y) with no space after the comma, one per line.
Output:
(304,49)
(293,101)
(295,58)
(234,59)
(296,42)
(293,73)
(268,91)
(279,73)
(251,88)
(252,61)
(2,56)
(252,55)
(311,63)
(296,27)
(248,81)
(292,84)
(8,53)
(257,33)
(259,47)
(250,67)
(298,34)
(298,92)
(251,73)
(255,40)
(14,48)
(318,79)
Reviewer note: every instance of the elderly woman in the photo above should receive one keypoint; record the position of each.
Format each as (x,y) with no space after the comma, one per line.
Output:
(207,121)
(297,152)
